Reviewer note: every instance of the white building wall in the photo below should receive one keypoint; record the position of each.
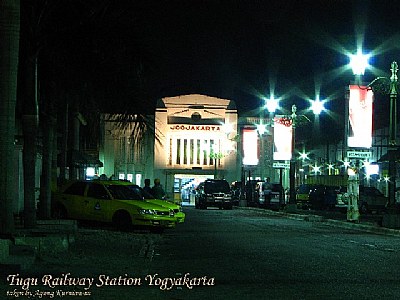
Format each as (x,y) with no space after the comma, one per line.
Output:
(188,126)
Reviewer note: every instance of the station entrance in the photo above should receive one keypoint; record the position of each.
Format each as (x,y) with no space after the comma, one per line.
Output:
(185,186)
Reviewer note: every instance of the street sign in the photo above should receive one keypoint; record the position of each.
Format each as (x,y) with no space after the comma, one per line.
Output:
(359,154)
(279,165)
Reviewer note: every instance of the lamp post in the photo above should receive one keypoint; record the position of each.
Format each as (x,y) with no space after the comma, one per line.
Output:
(293,120)
(388,86)
(292,166)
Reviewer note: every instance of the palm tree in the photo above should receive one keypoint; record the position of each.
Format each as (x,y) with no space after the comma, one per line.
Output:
(9,35)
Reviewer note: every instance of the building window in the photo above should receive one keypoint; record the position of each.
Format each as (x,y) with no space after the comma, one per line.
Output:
(198,143)
(185,152)
(178,152)
(170,152)
(193,152)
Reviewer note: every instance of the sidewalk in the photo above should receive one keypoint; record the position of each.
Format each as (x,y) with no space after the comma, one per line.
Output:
(370,223)
(49,236)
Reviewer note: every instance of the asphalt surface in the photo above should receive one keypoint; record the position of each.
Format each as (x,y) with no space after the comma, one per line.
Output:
(215,243)
(371,222)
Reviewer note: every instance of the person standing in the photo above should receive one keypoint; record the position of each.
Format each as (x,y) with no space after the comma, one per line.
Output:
(267,189)
(157,190)
(147,187)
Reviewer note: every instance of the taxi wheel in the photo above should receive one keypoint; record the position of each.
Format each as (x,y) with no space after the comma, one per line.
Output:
(122,220)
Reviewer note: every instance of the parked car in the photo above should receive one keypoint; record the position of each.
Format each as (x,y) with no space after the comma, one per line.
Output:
(179,215)
(370,199)
(214,192)
(302,195)
(110,202)
(323,196)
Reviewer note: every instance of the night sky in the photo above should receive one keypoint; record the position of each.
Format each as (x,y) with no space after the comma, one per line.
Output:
(239,50)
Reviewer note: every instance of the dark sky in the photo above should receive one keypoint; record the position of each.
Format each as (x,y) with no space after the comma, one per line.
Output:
(241,50)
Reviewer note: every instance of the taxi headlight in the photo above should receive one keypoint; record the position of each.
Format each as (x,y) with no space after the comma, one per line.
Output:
(146,211)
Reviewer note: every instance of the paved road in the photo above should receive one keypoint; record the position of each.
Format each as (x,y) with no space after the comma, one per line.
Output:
(253,255)
(236,254)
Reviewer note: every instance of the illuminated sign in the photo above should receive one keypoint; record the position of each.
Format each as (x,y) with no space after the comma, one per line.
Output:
(250,139)
(282,138)
(360,117)
(359,154)
(278,165)
(196,127)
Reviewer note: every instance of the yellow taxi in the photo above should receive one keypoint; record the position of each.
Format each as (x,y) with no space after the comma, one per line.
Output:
(302,195)
(111,202)
(179,215)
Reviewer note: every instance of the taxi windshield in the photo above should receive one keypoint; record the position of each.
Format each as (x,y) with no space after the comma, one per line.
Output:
(123,192)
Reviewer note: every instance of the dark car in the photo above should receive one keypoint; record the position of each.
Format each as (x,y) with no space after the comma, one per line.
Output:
(371,199)
(323,197)
(214,192)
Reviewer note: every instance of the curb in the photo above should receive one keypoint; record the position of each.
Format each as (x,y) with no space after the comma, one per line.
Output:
(330,222)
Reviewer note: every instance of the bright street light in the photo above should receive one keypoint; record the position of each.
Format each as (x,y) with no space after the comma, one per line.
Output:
(359,62)
(272,104)
(317,106)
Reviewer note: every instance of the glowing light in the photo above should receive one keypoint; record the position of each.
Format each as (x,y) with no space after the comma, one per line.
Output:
(261,129)
(346,164)
(272,104)
(90,172)
(371,169)
(387,179)
(351,172)
(317,106)
(249,151)
(330,166)
(360,117)
(303,156)
(359,62)
(129,177)
(316,169)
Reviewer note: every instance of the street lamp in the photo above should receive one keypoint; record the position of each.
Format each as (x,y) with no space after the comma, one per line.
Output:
(272,104)
(387,86)
(292,167)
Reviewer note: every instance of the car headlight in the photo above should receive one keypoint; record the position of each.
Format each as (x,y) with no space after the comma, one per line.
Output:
(146,211)
(171,213)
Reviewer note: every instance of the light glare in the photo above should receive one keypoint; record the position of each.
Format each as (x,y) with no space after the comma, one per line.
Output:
(359,62)
(317,106)
(272,104)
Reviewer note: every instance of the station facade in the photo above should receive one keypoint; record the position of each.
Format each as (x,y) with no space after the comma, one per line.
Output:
(195,139)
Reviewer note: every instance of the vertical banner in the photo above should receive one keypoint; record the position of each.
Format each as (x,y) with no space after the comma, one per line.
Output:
(250,140)
(282,138)
(360,117)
